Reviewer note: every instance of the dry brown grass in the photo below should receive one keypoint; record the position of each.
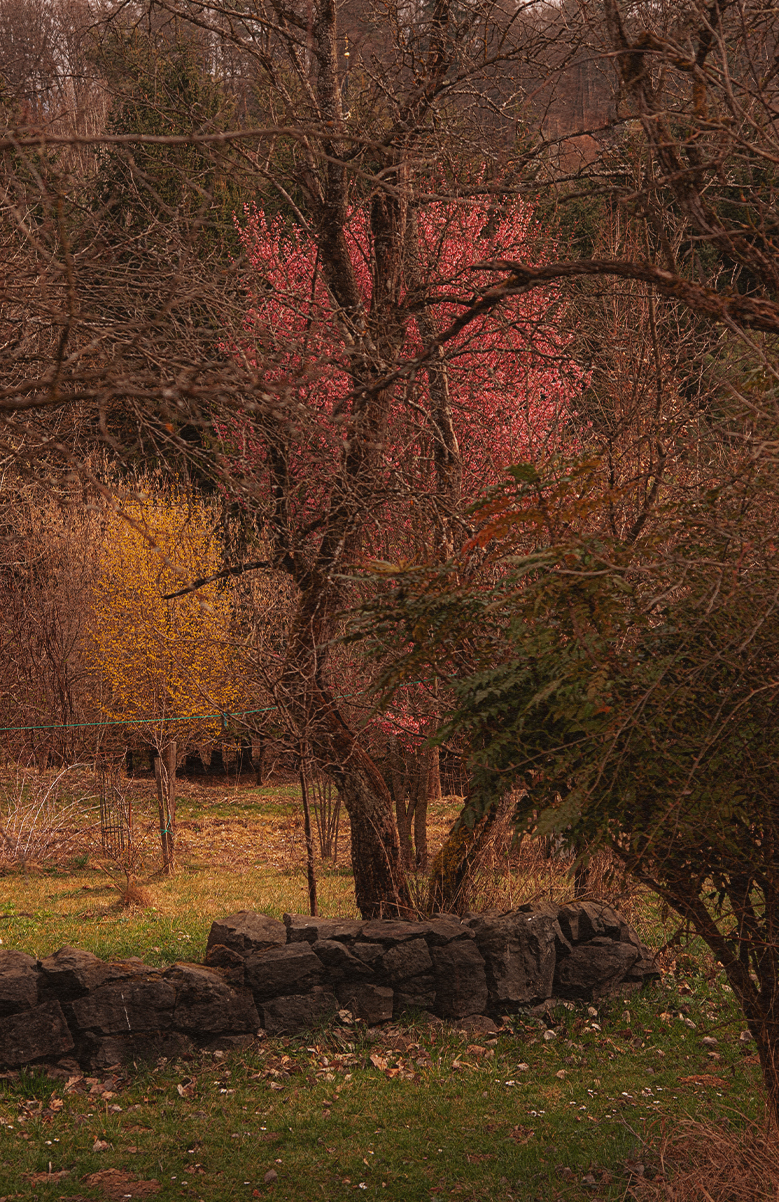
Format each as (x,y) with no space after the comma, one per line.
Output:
(509,872)
(136,895)
(40,824)
(230,827)
(706,1162)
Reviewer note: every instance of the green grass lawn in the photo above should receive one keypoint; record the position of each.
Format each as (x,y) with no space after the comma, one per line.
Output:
(80,908)
(571,1106)
(407,1112)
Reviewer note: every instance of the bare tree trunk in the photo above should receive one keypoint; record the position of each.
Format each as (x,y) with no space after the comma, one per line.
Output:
(379,877)
(452,866)
(423,793)
(258,759)
(397,769)
(404,815)
(397,772)
(165,777)
(766,1036)
(434,792)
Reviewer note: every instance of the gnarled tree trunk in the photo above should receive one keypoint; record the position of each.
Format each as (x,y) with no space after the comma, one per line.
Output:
(380,883)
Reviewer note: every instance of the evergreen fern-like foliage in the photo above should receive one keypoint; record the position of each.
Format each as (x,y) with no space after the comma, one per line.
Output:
(627,689)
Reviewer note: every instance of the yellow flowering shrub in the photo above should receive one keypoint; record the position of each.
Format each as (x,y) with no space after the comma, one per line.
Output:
(163,660)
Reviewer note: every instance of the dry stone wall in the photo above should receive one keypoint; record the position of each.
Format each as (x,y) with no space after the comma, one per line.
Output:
(282,978)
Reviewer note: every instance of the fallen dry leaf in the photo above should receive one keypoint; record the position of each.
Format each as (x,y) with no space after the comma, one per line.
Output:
(703,1079)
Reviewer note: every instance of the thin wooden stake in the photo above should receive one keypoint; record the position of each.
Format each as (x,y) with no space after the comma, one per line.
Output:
(309,844)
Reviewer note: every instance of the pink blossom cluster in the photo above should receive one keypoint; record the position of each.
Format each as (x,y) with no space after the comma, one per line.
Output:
(510,380)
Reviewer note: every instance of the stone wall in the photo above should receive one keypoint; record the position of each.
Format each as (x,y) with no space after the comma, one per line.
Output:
(281,978)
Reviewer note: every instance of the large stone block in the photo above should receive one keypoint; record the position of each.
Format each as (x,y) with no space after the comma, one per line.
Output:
(71,972)
(303,929)
(418,993)
(247,933)
(460,980)
(341,965)
(440,931)
(128,1005)
(33,1035)
(552,911)
(372,1003)
(519,955)
(283,971)
(408,959)
(594,969)
(206,1005)
(368,953)
(229,963)
(381,930)
(100,1052)
(18,982)
(586,920)
(297,1013)
(646,967)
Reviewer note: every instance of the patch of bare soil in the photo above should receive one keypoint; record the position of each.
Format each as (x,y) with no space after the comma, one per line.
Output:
(116,1184)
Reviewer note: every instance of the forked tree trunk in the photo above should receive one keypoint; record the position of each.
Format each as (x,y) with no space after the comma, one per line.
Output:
(380,885)
(413,785)
(379,876)
(316,559)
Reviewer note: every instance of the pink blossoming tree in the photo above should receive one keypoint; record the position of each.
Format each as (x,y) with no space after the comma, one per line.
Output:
(380,428)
